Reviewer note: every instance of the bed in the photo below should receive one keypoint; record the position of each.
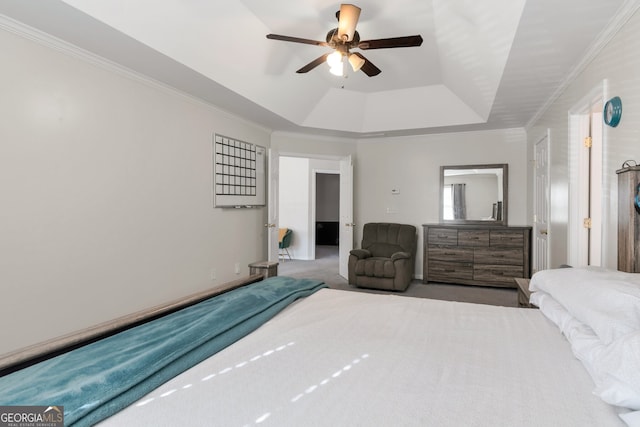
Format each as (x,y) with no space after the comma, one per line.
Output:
(328,357)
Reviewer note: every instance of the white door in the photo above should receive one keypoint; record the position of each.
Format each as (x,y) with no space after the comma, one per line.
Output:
(272,214)
(586,245)
(583,190)
(541,206)
(346,214)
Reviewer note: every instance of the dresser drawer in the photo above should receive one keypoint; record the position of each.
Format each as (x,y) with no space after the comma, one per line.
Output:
(443,236)
(473,237)
(506,238)
(500,256)
(502,275)
(448,271)
(450,253)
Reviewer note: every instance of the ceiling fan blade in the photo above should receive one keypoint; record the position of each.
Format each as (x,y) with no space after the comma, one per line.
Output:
(313,64)
(296,40)
(347,21)
(408,41)
(368,68)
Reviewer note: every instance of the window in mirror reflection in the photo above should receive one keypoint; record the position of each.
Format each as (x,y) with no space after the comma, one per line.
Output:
(454,201)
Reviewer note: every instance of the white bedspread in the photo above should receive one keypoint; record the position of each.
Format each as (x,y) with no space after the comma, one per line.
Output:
(341,358)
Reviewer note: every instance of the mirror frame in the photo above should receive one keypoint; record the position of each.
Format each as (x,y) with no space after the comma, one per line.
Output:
(505,195)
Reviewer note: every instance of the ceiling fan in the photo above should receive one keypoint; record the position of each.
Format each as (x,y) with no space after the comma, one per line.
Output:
(344,38)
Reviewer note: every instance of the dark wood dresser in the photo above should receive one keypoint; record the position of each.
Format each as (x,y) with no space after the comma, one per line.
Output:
(476,254)
(628,220)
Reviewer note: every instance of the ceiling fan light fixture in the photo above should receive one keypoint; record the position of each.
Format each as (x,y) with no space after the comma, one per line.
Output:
(334,59)
(344,38)
(349,15)
(337,70)
(356,61)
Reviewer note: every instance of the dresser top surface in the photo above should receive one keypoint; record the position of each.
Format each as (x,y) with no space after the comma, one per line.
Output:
(477,226)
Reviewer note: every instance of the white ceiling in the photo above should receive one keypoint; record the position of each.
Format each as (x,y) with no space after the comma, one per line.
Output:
(483,64)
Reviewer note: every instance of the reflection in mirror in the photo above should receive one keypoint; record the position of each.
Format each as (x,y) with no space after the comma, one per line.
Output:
(474,193)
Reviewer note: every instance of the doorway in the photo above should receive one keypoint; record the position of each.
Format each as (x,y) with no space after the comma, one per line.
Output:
(300,204)
(327,213)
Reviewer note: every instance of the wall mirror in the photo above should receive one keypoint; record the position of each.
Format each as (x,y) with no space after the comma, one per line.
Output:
(474,194)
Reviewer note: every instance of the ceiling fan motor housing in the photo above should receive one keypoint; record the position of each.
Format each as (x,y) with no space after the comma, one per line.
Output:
(334,40)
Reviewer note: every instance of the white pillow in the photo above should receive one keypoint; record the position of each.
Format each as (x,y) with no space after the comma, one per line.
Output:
(614,368)
(618,366)
(584,342)
(598,311)
(555,312)
(632,419)
(607,301)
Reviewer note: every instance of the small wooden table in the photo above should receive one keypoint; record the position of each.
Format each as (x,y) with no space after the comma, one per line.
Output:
(266,268)
(523,293)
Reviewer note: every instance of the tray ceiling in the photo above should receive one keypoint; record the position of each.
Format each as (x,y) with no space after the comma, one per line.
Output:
(482,65)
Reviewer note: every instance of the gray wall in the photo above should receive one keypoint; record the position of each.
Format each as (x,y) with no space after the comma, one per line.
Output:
(106,194)
(616,68)
(412,166)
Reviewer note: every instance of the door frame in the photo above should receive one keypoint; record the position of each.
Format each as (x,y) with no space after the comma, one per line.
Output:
(584,246)
(273,198)
(271,226)
(537,251)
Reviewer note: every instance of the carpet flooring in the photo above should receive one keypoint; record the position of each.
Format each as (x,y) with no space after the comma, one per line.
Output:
(325,268)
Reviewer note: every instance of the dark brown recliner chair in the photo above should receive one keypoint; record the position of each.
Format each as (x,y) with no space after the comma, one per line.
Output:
(387,258)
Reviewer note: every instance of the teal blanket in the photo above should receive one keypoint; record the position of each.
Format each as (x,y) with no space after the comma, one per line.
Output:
(99,379)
